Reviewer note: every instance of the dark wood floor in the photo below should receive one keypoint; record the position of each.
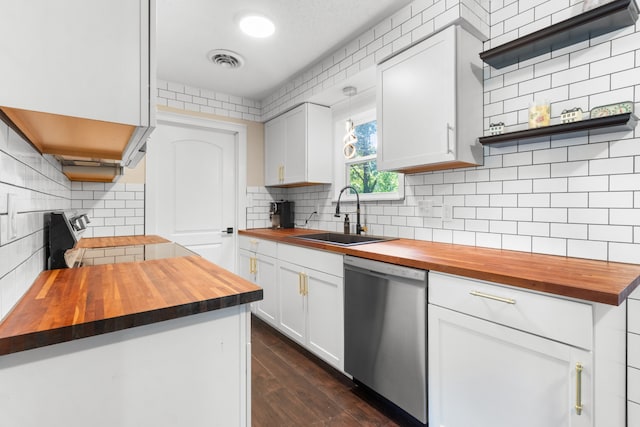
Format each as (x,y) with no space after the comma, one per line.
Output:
(291,387)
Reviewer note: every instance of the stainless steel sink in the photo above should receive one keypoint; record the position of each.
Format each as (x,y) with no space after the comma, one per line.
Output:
(343,239)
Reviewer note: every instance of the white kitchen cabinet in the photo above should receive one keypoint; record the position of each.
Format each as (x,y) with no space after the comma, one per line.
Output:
(258,264)
(633,359)
(429,104)
(298,147)
(72,60)
(311,301)
(501,357)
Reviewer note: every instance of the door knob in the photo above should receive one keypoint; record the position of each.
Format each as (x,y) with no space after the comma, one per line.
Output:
(228,230)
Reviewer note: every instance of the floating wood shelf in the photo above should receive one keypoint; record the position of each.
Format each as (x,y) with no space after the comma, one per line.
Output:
(625,121)
(600,20)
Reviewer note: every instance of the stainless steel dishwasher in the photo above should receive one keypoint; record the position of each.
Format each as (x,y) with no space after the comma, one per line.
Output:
(385,316)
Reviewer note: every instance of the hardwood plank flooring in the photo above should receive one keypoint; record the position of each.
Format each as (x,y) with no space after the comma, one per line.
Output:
(292,387)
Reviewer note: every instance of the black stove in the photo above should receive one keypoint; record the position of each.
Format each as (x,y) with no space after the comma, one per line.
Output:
(63,229)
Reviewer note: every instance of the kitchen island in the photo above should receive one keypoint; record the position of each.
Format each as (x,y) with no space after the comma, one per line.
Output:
(160,342)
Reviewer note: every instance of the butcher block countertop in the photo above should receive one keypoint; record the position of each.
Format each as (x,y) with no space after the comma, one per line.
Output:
(595,281)
(107,242)
(67,304)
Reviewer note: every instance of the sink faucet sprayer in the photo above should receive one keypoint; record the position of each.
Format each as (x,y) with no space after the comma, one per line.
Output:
(359,228)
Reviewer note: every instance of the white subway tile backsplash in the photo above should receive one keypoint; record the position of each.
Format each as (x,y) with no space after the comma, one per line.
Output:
(551,246)
(624,216)
(619,62)
(589,183)
(516,243)
(587,249)
(624,252)
(588,216)
(553,185)
(620,199)
(628,182)
(619,165)
(569,231)
(611,233)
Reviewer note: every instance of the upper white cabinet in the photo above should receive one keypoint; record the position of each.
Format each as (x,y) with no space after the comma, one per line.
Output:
(430,104)
(513,357)
(79,75)
(298,147)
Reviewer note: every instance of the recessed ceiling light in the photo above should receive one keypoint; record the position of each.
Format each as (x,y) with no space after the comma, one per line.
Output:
(257,26)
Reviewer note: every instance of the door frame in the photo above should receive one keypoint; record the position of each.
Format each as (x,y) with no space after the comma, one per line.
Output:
(240,154)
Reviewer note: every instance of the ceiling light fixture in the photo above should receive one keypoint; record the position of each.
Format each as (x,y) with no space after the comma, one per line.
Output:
(257,26)
(350,139)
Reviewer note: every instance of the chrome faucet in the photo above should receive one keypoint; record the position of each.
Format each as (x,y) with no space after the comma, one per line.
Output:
(359,227)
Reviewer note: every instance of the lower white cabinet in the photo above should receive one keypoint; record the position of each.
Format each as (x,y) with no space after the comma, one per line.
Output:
(302,294)
(311,301)
(633,359)
(257,263)
(503,357)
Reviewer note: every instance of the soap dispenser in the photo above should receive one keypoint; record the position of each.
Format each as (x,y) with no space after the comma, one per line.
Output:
(347,225)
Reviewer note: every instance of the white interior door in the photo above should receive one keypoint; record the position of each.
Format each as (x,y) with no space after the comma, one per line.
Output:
(192,189)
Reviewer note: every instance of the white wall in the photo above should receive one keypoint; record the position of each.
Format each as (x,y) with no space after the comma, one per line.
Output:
(115,209)
(39,186)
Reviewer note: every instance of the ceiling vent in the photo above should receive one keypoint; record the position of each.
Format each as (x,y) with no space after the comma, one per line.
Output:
(225,58)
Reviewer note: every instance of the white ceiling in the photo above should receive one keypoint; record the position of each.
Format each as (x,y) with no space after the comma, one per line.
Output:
(306,31)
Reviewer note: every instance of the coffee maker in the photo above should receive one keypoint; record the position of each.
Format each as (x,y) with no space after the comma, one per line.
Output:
(281,214)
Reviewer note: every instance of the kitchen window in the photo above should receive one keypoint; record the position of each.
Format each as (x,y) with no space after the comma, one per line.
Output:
(361,170)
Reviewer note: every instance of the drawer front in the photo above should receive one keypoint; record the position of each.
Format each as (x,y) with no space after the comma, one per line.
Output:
(260,246)
(566,321)
(328,262)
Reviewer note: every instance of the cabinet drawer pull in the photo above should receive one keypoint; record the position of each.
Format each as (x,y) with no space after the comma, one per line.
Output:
(300,284)
(306,284)
(579,388)
(492,297)
(449,128)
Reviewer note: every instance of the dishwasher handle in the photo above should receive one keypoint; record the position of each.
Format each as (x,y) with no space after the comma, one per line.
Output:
(383,268)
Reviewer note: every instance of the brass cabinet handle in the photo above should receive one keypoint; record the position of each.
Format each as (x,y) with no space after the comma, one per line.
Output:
(492,297)
(579,388)
(253,268)
(306,284)
(300,283)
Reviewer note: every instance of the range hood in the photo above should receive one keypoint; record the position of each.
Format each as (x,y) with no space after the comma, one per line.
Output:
(89,150)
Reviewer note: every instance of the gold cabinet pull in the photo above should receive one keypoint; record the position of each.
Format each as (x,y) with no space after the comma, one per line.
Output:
(306,284)
(300,283)
(492,297)
(579,388)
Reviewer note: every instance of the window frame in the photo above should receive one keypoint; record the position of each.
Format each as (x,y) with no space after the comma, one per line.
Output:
(361,113)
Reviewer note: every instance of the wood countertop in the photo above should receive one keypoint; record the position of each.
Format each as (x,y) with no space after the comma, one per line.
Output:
(105,242)
(595,281)
(68,304)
